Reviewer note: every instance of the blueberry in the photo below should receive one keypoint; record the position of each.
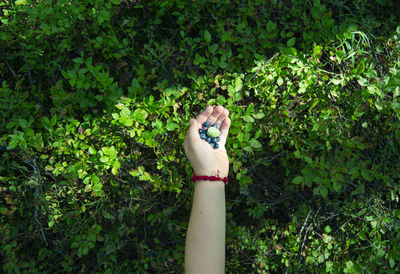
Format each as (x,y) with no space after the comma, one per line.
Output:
(216,145)
(208,139)
(202,136)
(206,124)
(215,139)
(200,131)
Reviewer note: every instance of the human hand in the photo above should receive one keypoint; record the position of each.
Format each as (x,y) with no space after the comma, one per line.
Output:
(205,160)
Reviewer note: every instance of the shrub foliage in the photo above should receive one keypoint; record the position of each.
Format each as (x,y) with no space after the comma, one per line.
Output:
(95,97)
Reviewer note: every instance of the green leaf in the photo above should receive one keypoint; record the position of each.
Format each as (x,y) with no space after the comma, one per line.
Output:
(327,229)
(365,175)
(108,216)
(237,97)
(92,151)
(248,118)
(53,120)
(23,123)
(381,253)
(207,36)
(290,42)
(3,211)
(259,115)
(104,159)
(213,48)
(95,179)
(85,250)
(308,159)
(317,50)
(392,263)
(323,190)
(125,112)
(128,122)
(271,26)
(139,115)
(255,144)
(115,168)
(12,144)
(21,2)
(298,180)
(238,84)
(171,126)
(336,186)
(395,105)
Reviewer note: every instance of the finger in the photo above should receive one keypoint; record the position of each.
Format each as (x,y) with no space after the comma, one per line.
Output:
(218,110)
(225,130)
(221,118)
(193,128)
(203,116)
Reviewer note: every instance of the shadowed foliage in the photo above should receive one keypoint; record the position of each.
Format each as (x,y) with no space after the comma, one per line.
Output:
(95,99)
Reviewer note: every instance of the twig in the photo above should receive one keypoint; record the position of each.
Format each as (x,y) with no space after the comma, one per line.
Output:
(305,239)
(36,174)
(255,74)
(10,68)
(284,249)
(27,67)
(343,225)
(304,225)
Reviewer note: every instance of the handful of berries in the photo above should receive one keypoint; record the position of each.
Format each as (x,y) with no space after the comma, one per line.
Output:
(210,134)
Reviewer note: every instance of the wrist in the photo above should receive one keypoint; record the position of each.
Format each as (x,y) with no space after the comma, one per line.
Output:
(213,178)
(210,172)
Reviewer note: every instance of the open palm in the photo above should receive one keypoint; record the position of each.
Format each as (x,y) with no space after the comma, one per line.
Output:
(206,160)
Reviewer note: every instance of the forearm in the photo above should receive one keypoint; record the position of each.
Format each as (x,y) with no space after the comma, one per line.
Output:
(205,240)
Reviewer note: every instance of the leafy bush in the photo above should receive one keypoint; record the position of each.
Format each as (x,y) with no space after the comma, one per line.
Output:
(94,99)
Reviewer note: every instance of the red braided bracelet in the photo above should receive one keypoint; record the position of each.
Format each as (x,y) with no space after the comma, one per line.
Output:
(209,178)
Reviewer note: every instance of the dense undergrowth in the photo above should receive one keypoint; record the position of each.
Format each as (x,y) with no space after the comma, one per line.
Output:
(95,99)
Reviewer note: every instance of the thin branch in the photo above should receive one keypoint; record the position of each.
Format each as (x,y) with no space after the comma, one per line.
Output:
(27,67)
(343,225)
(36,174)
(305,239)
(304,224)
(255,74)
(10,68)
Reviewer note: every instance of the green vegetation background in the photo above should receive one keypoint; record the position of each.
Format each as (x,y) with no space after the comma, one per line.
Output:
(95,99)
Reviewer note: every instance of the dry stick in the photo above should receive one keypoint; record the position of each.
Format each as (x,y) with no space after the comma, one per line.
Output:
(255,74)
(27,67)
(305,239)
(304,225)
(36,174)
(10,68)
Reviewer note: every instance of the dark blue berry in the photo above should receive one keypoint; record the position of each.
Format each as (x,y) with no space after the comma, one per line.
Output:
(201,131)
(208,139)
(206,124)
(202,136)
(215,139)
(216,145)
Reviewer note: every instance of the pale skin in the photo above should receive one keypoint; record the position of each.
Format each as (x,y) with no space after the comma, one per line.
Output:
(205,239)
